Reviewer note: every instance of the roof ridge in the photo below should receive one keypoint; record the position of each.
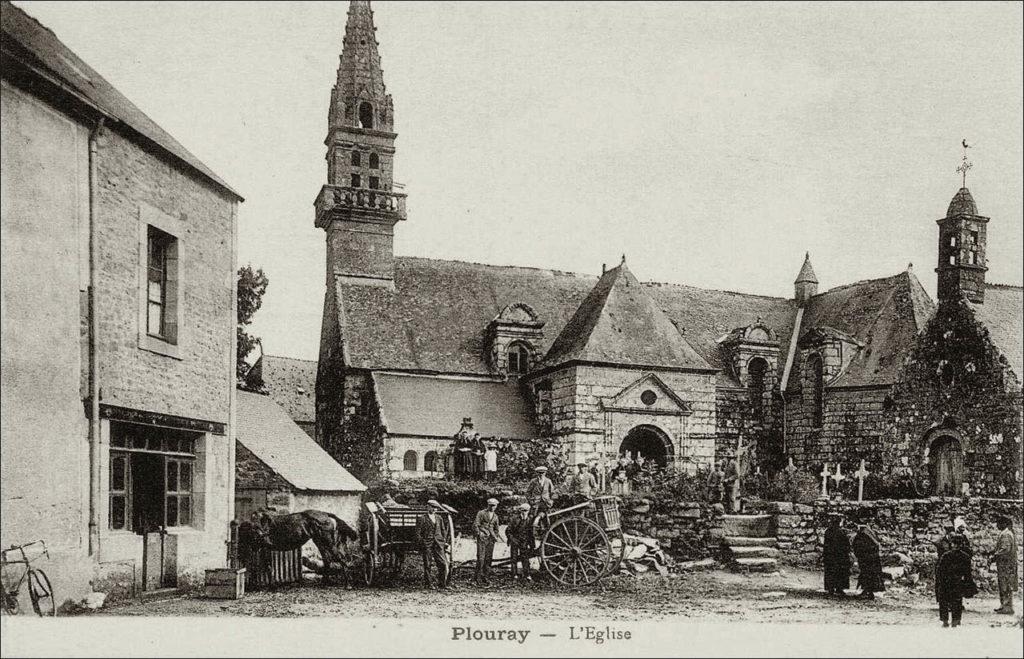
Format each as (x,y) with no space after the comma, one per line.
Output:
(860,282)
(714,290)
(1016,287)
(294,359)
(494,265)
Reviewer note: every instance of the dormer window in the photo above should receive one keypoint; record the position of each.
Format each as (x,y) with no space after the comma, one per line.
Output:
(365,115)
(518,359)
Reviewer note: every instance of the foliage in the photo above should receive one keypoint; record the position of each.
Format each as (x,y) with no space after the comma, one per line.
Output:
(516,460)
(791,486)
(250,287)
(675,484)
(465,496)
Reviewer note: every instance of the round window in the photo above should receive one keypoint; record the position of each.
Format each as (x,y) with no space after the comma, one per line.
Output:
(648,397)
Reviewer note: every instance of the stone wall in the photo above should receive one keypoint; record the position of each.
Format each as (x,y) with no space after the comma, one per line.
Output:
(253,473)
(853,427)
(685,530)
(906,526)
(348,424)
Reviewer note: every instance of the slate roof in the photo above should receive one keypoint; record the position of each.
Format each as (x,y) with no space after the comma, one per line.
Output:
(1003,315)
(436,318)
(962,203)
(291,383)
(806,273)
(265,428)
(433,406)
(884,314)
(620,323)
(25,39)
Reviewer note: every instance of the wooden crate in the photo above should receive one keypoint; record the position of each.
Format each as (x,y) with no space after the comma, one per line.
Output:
(225,583)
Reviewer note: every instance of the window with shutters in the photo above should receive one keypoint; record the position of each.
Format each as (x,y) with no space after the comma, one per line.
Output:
(160,275)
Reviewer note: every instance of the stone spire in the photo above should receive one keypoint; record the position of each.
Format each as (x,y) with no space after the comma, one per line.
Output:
(359,97)
(806,284)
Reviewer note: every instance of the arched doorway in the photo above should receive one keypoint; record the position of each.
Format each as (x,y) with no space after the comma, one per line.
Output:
(947,466)
(650,442)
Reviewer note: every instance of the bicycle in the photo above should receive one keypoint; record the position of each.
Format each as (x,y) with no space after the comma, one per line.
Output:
(39,589)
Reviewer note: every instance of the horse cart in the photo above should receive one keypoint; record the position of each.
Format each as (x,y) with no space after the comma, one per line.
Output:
(389,532)
(582,543)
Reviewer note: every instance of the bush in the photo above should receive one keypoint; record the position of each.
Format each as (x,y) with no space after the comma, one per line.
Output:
(516,460)
(673,484)
(794,487)
(466,497)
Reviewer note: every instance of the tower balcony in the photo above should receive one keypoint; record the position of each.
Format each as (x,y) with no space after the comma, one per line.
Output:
(343,202)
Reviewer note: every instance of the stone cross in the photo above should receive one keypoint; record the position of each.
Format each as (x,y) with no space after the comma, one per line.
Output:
(838,476)
(824,480)
(790,468)
(861,474)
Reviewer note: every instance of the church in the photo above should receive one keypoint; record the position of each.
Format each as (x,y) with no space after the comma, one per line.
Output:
(413,348)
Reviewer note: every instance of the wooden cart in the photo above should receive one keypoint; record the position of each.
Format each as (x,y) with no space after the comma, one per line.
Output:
(389,533)
(582,543)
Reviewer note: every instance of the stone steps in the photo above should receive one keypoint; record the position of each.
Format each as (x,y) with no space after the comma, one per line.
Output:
(756,564)
(753,552)
(741,541)
(748,526)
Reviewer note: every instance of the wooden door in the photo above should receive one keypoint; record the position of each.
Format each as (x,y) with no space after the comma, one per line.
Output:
(949,467)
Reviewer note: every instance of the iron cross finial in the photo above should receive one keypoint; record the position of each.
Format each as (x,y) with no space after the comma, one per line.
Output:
(965,164)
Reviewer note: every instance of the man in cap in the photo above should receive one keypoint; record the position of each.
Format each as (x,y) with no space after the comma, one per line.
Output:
(1005,556)
(540,491)
(583,483)
(485,527)
(836,557)
(521,540)
(432,532)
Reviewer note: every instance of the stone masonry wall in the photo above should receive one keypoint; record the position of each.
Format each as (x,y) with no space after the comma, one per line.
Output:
(908,527)
(685,530)
(253,473)
(853,428)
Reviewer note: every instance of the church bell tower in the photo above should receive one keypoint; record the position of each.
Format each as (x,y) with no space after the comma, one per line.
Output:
(962,241)
(358,208)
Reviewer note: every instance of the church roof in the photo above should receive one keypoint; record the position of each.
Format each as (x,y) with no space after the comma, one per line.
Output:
(620,323)
(1003,315)
(291,383)
(806,273)
(884,315)
(435,406)
(436,317)
(36,47)
(962,204)
(266,429)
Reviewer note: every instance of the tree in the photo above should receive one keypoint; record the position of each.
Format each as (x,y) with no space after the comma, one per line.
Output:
(251,286)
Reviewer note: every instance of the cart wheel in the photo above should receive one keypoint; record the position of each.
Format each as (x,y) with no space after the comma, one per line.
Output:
(10,603)
(41,593)
(371,568)
(575,551)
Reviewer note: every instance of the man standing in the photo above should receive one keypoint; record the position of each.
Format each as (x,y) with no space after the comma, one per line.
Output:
(432,533)
(485,526)
(945,543)
(836,557)
(583,483)
(953,581)
(715,482)
(520,540)
(540,492)
(1005,556)
(731,485)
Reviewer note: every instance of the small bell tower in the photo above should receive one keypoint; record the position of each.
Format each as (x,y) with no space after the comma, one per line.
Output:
(359,207)
(962,242)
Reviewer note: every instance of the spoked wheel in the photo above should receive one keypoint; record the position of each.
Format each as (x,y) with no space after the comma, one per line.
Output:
(371,568)
(41,593)
(10,603)
(575,551)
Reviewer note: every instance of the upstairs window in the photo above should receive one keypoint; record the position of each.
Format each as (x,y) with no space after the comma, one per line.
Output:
(357,159)
(816,384)
(757,369)
(518,359)
(374,161)
(357,181)
(161,279)
(374,183)
(365,115)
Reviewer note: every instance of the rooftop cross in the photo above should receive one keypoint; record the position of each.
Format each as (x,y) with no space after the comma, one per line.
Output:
(965,164)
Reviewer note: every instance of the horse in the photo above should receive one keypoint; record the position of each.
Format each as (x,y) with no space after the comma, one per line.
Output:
(337,542)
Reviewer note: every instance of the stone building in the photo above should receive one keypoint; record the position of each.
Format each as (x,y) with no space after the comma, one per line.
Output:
(118,255)
(676,373)
(291,383)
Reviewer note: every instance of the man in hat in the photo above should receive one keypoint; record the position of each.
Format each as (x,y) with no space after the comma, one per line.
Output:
(836,557)
(485,527)
(540,491)
(432,532)
(945,543)
(715,482)
(731,486)
(521,540)
(1005,556)
(953,581)
(583,483)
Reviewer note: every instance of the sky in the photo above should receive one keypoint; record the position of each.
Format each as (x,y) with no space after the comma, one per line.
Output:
(712,144)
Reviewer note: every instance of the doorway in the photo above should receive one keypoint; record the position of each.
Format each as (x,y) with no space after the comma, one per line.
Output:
(947,461)
(647,442)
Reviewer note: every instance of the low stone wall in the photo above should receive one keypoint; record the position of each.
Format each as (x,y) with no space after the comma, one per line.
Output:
(907,529)
(685,530)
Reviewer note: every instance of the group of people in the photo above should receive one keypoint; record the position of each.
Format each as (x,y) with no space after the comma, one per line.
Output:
(723,485)
(471,457)
(954,579)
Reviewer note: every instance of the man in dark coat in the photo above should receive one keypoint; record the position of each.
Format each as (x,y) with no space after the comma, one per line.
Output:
(836,557)
(521,540)
(953,582)
(432,533)
(866,548)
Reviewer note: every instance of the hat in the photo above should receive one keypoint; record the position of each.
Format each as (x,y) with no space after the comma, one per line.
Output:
(959,523)
(435,503)
(523,506)
(581,464)
(540,468)
(492,502)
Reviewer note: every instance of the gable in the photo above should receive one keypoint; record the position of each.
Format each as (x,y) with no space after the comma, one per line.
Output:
(647,395)
(1002,315)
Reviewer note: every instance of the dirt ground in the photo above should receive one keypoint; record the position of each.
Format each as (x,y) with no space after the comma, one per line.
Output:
(714,596)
